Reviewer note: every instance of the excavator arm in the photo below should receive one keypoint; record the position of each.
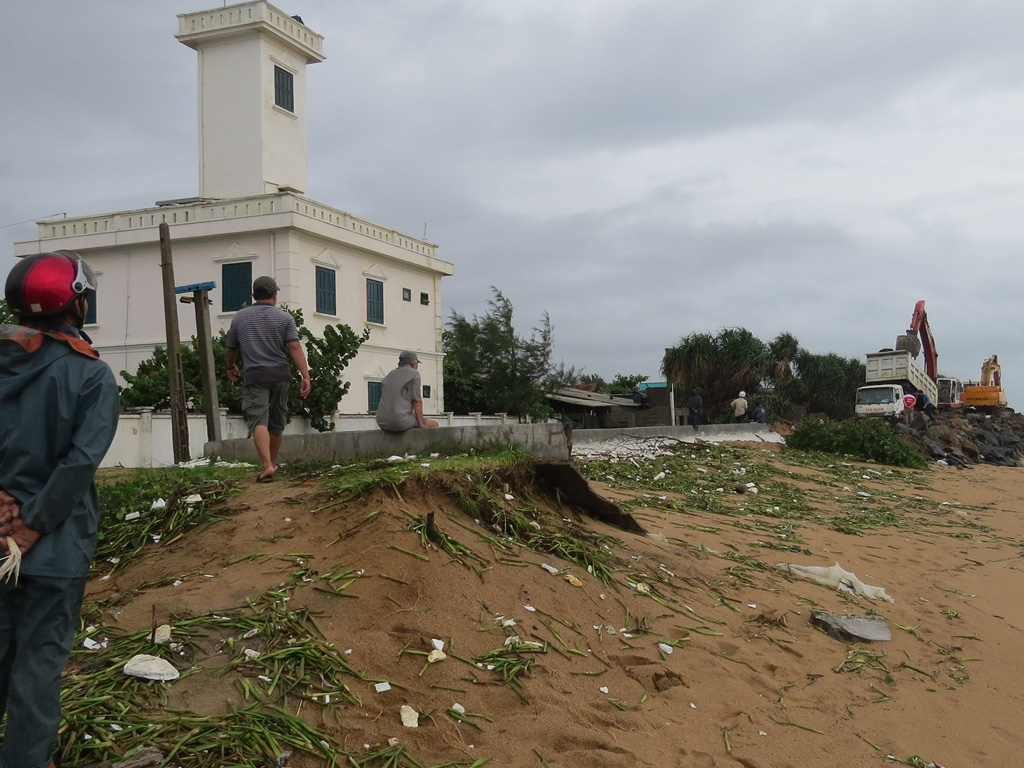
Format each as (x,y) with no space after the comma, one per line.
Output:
(919,337)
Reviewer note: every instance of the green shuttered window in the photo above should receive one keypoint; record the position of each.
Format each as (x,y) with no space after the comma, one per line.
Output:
(373,390)
(374,301)
(236,280)
(284,89)
(326,291)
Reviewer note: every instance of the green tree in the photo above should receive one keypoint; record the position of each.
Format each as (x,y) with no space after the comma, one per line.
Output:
(719,365)
(625,385)
(830,383)
(490,368)
(327,356)
(782,351)
(6,316)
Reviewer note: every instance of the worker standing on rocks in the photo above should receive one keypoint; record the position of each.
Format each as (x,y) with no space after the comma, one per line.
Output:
(59,409)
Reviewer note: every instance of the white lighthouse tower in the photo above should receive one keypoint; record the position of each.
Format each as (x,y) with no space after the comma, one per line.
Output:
(253,216)
(252,98)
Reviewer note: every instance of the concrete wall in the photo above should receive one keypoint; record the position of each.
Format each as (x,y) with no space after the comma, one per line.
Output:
(706,431)
(543,441)
(144,438)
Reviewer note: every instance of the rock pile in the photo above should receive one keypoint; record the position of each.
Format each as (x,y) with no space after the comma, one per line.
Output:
(969,438)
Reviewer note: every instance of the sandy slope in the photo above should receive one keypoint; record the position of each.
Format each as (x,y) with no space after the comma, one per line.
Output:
(749,681)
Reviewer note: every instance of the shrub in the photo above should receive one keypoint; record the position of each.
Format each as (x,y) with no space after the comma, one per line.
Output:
(871,439)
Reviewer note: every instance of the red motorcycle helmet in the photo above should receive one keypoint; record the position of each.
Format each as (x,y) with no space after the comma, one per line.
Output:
(47,283)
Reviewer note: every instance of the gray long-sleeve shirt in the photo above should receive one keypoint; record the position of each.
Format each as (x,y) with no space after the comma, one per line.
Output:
(58,416)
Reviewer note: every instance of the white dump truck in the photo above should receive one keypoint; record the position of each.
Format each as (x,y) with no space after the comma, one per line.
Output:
(889,376)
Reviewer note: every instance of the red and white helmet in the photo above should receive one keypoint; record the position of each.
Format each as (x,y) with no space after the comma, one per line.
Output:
(47,283)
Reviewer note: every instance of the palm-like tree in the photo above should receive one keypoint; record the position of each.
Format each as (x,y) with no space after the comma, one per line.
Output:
(719,365)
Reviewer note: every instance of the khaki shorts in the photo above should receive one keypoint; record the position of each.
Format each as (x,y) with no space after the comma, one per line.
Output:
(266,405)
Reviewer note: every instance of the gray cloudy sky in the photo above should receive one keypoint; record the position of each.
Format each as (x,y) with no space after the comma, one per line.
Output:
(641,169)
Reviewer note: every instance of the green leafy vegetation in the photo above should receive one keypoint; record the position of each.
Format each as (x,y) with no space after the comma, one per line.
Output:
(791,380)
(491,368)
(871,439)
(128,521)
(328,356)
(6,316)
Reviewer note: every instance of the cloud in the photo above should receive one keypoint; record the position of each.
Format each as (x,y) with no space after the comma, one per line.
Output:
(639,169)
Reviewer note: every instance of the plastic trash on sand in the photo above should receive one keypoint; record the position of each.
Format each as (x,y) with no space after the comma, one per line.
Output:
(410,717)
(150,668)
(837,577)
(850,629)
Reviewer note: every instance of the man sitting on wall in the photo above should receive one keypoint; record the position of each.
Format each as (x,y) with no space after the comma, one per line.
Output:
(401,397)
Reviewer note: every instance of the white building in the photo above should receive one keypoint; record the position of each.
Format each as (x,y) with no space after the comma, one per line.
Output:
(252,218)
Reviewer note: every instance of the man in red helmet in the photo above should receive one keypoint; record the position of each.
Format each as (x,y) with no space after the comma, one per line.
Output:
(59,409)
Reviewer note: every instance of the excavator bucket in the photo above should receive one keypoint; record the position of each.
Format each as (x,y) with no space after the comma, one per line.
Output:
(909,342)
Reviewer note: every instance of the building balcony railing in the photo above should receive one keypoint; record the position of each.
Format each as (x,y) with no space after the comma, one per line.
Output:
(238,208)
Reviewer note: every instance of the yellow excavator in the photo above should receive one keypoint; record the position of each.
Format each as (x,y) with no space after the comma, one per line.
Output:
(986,395)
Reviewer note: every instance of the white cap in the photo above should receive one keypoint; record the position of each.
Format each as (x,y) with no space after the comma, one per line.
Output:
(743,394)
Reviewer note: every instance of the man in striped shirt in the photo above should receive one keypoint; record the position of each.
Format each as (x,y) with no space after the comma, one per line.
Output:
(265,336)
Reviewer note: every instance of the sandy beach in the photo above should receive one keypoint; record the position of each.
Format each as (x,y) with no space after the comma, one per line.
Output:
(694,649)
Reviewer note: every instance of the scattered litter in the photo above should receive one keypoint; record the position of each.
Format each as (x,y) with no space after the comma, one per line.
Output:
(195,498)
(643,588)
(91,645)
(150,668)
(382,687)
(666,648)
(162,634)
(158,504)
(864,494)
(509,497)
(850,629)
(392,742)
(251,633)
(200,462)
(395,458)
(530,608)
(436,656)
(410,717)
(459,708)
(837,577)
(508,623)
(250,654)
(604,689)
(437,645)
(751,605)
(513,639)
(573,580)
(176,583)
(435,455)
(692,705)
(549,568)
(660,476)
(133,516)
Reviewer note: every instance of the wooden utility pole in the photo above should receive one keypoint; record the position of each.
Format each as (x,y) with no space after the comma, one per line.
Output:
(200,297)
(179,419)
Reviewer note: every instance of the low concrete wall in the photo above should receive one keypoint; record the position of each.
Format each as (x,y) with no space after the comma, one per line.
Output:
(144,436)
(543,441)
(704,431)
